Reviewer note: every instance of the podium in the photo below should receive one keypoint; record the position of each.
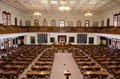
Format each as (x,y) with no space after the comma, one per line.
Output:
(67,73)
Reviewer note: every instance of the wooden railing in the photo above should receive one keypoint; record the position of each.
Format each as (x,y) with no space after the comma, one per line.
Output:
(21,29)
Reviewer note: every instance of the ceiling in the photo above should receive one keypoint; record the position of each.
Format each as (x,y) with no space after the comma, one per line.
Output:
(53,5)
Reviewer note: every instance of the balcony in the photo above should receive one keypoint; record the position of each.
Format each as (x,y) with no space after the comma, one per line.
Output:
(23,29)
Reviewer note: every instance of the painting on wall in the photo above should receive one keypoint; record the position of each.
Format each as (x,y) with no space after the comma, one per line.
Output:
(32,39)
(91,40)
(71,39)
(52,39)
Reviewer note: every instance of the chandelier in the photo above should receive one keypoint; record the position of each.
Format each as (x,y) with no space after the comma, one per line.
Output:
(64,8)
(88,14)
(37,13)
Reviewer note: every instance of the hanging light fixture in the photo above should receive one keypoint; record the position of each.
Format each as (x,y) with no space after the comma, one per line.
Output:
(64,7)
(37,13)
(88,14)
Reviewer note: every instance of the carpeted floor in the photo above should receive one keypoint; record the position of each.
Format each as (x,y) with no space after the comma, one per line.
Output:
(62,62)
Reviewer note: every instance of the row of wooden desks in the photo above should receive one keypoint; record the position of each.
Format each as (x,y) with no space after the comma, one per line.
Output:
(42,67)
(88,67)
(14,64)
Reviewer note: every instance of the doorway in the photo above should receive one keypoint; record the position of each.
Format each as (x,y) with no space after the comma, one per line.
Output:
(108,22)
(15,21)
(62,39)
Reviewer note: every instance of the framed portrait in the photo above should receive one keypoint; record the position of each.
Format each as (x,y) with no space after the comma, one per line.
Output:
(52,39)
(71,39)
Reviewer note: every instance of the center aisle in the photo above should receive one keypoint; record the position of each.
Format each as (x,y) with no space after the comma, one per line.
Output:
(65,61)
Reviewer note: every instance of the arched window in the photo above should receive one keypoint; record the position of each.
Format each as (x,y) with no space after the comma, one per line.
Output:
(119,19)
(95,24)
(6,18)
(78,23)
(87,23)
(20,22)
(36,22)
(15,21)
(9,18)
(108,22)
(102,23)
(62,23)
(53,23)
(70,23)
(44,22)
(115,18)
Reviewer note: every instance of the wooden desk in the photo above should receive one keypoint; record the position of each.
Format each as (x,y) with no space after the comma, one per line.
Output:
(38,74)
(95,72)
(117,72)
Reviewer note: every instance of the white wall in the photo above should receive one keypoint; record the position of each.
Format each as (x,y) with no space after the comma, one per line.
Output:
(96,38)
(27,38)
(107,14)
(14,13)
(55,35)
(67,16)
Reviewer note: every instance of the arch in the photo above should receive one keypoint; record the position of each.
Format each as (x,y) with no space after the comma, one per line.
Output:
(6,18)
(102,23)
(36,22)
(87,23)
(53,23)
(79,23)
(108,22)
(44,22)
(15,20)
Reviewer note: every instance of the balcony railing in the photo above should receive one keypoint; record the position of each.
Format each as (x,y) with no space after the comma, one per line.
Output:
(21,29)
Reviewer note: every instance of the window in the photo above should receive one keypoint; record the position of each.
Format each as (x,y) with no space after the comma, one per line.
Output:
(15,21)
(82,38)
(44,22)
(119,19)
(9,18)
(102,23)
(36,22)
(95,24)
(6,18)
(42,38)
(87,23)
(70,23)
(115,20)
(53,23)
(20,22)
(27,23)
(108,22)
(78,23)
(62,23)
